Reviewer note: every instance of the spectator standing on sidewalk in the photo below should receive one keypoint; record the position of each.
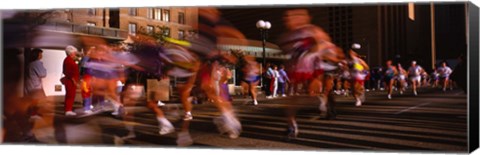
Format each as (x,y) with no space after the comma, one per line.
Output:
(71,79)
(282,80)
(268,81)
(275,76)
(85,83)
(33,85)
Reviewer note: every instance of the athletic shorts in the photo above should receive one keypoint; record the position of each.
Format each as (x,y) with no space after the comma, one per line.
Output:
(360,77)
(415,78)
(251,79)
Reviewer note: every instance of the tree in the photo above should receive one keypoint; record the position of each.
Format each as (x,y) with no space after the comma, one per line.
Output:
(21,28)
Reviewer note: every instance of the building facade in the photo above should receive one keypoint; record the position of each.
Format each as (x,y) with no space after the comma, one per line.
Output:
(177,22)
(53,30)
(397,31)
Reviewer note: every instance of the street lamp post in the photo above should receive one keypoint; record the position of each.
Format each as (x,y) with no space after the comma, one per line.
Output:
(263,26)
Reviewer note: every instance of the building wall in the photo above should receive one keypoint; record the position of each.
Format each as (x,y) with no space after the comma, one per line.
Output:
(450,30)
(141,20)
(340,25)
(82,17)
(392,29)
(419,36)
(365,32)
(53,56)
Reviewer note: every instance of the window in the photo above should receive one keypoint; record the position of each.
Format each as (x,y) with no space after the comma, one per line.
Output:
(92,12)
(132,29)
(411,11)
(150,13)
(150,29)
(181,18)
(181,34)
(166,15)
(91,24)
(132,11)
(158,14)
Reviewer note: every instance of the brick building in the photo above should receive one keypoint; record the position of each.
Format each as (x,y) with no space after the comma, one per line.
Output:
(178,22)
(62,27)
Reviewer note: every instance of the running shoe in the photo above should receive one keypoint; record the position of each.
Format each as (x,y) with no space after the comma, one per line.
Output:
(358,103)
(187,117)
(119,111)
(228,125)
(166,129)
(70,113)
(160,103)
(88,112)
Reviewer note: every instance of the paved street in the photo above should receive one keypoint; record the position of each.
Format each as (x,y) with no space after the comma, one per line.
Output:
(432,121)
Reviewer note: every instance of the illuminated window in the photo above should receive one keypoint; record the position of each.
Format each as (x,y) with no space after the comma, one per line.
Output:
(411,11)
(150,29)
(166,15)
(158,14)
(132,11)
(132,29)
(150,13)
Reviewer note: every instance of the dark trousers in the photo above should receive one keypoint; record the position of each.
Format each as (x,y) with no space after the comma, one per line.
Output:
(281,87)
(267,85)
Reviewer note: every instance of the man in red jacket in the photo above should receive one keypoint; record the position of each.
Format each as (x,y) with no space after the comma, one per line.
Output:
(72,76)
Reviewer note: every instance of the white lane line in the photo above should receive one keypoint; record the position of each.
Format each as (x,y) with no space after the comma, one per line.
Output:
(411,108)
(458,93)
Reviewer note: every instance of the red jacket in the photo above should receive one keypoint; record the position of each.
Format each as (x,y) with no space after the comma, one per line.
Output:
(70,69)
